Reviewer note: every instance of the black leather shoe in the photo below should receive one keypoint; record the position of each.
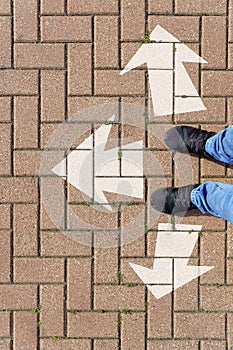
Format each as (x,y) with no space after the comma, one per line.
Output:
(173,200)
(186,139)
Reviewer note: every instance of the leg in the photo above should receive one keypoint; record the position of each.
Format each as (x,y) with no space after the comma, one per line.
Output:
(186,139)
(215,198)
(220,146)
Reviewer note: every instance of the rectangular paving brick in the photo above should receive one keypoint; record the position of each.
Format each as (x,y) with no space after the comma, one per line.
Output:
(5,257)
(216,298)
(52,95)
(184,28)
(5,7)
(190,325)
(79,283)
(26,162)
(5,323)
(5,42)
(51,8)
(138,246)
(186,297)
(5,109)
(110,344)
(41,270)
(217,83)
(25,229)
(132,19)
(183,163)
(209,168)
(152,158)
(106,41)
(26,122)
(229,271)
(230,56)
(119,297)
(128,50)
(129,275)
(160,6)
(78,103)
(212,253)
(214,41)
(230,329)
(208,222)
(155,141)
(92,7)
(200,7)
(93,324)
(111,82)
(18,190)
(66,29)
(5,216)
(58,244)
(65,344)
(229,120)
(80,69)
(17,82)
(45,221)
(17,296)
(25,20)
(39,55)
(230,21)
(215,112)
(159,316)
(92,216)
(52,318)
(25,330)
(5,149)
(173,344)
(213,344)
(5,344)
(229,252)
(106,265)
(133,330)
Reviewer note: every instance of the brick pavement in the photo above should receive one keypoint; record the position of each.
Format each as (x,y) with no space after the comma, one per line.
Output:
(58,57)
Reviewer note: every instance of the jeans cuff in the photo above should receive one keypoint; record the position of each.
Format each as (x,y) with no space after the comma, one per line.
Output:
(208,145)
(193,195)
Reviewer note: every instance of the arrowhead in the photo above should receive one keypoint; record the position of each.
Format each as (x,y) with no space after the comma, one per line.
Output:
(162,273)
(160,34)
(72,167)
(160,55)
(106,175)
(160,291)
(60,169)
(184,273)
(185,54)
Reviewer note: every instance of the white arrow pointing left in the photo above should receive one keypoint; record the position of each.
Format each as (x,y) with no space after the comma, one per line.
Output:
(93,170)
(170,269)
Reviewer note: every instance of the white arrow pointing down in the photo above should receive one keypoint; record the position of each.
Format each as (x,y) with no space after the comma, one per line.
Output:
(170,268)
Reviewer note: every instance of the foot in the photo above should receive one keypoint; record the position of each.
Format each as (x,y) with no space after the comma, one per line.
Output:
(186,139)
(172,200)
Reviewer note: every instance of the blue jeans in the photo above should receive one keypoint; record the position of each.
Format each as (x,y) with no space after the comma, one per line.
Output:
(216,198)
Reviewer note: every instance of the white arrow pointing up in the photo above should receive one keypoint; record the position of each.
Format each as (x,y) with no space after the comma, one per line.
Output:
(170,269)
(171,87)
(93,170)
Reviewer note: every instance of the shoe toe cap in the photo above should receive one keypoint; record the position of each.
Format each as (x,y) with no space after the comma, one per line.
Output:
(174,140)
(158,199)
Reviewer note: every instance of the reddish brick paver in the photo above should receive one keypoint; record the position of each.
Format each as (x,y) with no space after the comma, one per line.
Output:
(59,57)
